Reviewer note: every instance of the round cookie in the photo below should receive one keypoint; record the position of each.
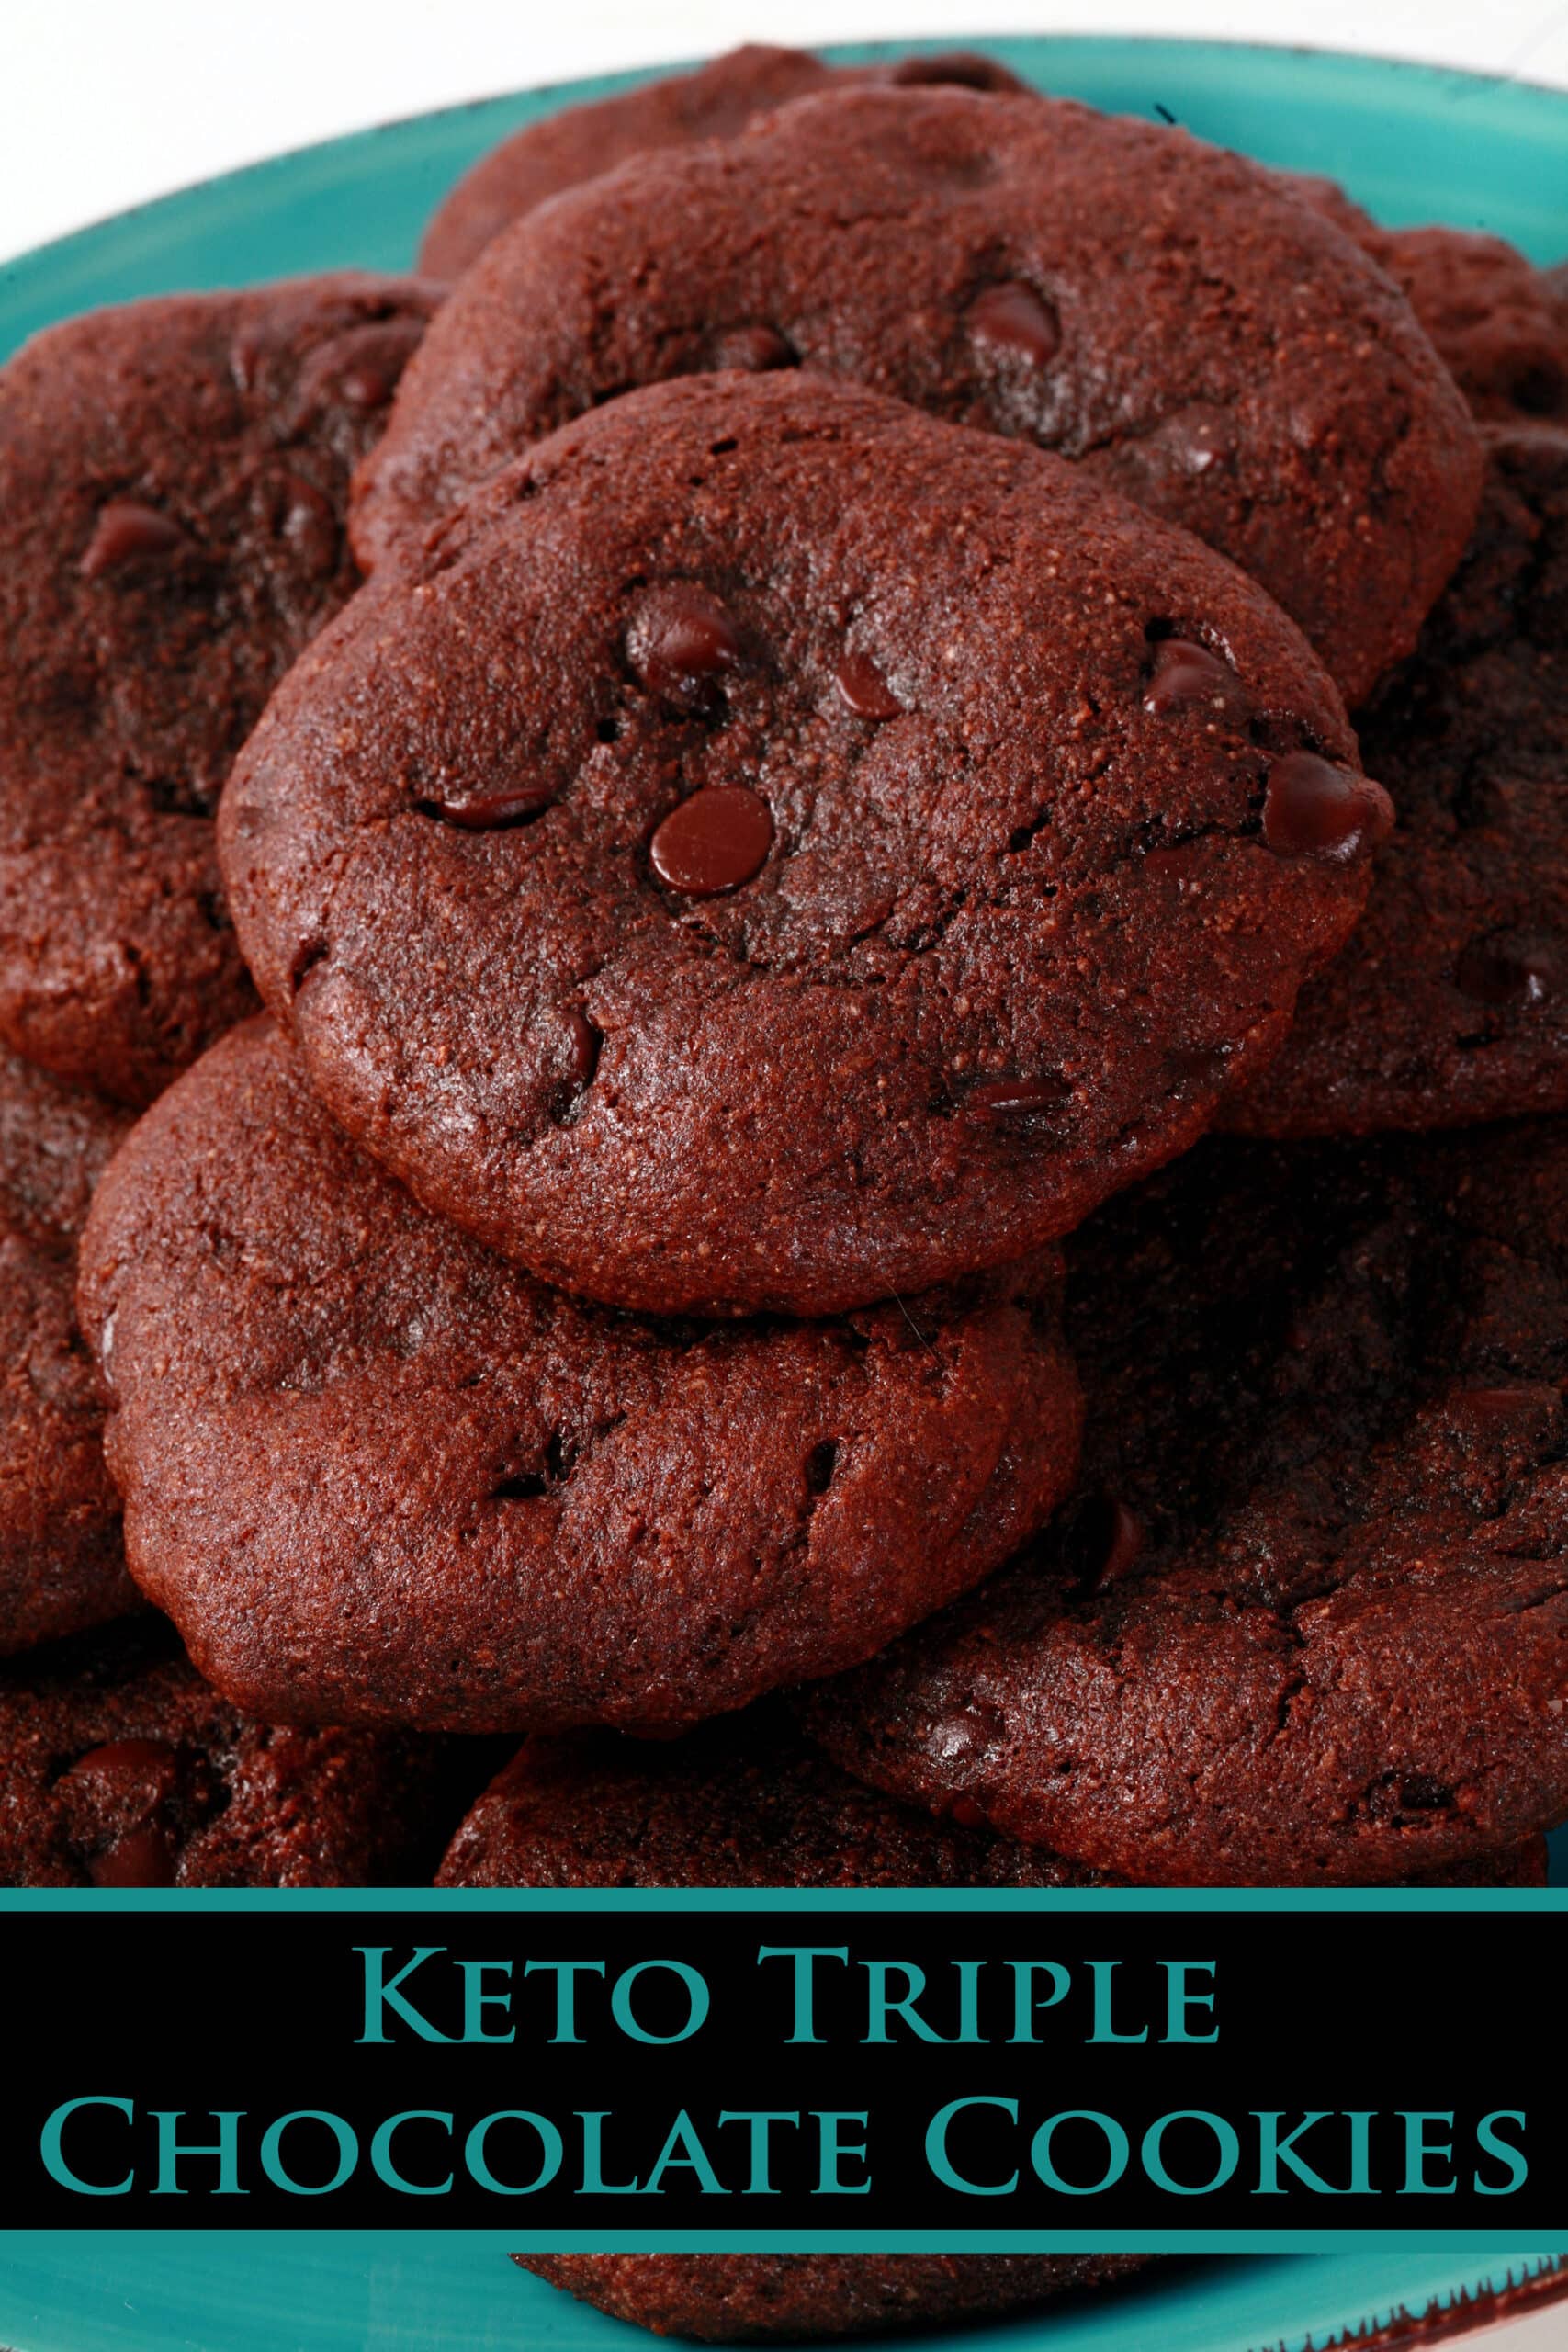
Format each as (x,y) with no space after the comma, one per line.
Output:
(62,1568)
(756,2298)
(715,102)
(980,257)
(1500,323)
(377,1475)
(1451,1002)
(1309,1622)
(118,1766)
(774,850)
(172,481)
(748,1803)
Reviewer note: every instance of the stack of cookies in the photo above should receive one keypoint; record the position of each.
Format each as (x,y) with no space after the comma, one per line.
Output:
(834,885)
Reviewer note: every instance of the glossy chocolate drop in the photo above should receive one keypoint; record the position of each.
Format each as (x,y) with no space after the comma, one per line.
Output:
(864,689)
(1313,808)
(1512,969)
(1123,1538)
(489,812)
(965,1734)
(1018,1097)
(126,532)
(582,1048)
(143,1857)
(1013,319)
(758,350)
(681,640)
(1185,674)
(714,842)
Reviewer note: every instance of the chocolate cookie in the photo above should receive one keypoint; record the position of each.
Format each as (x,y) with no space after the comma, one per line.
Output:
(748,1803)
(1451,1002)
(376,1475)
(118,1766)
(774,850)
(752,2297)
(718,100)
(60,1563)
(1309,1621)
(172,480)
(981,257)
(1500,323)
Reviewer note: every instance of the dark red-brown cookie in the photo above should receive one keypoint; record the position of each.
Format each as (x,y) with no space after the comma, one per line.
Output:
(376,1475)
(1309,1622)
(980,257)
(715,102)
(1499,323)
(773,849)
(754,2298)
(749,1803)
(118,1766)
(62,1568)
(172,481)
(1451,1002)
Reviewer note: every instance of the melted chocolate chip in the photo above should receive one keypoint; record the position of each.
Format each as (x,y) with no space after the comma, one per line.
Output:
(126,532)
(582,1049)
(679,641)
(1015,320)
(122,1767)
(758,350)
(714,842)
(304,517)
(1314,809)
(968,1732)
(1018,1097)
(142,1857)
(1512,969)
(864,689)
(490,812)
(1126,1538)
(961,69)
(1185,674)
(1507,1403)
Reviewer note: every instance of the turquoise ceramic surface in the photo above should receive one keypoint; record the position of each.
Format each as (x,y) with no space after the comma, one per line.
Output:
(226,2292)
(1411,144)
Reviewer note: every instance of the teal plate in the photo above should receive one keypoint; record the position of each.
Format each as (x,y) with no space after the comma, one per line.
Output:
(1410,143)
(343,2292)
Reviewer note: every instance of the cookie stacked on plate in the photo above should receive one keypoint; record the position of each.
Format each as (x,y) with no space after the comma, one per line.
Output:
(805,767)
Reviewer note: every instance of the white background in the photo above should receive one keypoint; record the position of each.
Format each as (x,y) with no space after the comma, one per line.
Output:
(105,102)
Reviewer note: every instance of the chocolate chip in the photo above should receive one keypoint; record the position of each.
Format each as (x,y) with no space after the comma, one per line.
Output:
(713,842)
(1015,320)
(305,516)
(584,1042)
(961,69)
(1018,1097)
(141,1857)
(1185,674)
(864,689)
(1506,1403)
(1313,808)
(491,812)
(128,532)
(1122,1539)
(968,1732)
(679,641)
(129,1767)
(1512,969)
(758,350)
